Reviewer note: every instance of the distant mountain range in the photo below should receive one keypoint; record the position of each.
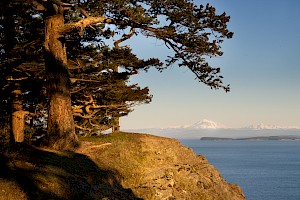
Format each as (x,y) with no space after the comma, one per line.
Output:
(208,128)
(262,126)
(208,124)
(280,137)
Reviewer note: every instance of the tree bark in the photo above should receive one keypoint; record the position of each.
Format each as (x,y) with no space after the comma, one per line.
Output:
(115,124)
(114,118)
(61,129)
(17,117)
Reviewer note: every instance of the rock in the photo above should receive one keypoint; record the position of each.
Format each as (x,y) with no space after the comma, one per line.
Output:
(161,168)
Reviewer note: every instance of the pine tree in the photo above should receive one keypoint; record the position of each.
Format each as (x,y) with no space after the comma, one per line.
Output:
(194,33)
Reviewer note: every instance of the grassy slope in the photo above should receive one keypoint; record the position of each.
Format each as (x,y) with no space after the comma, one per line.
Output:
(105,167)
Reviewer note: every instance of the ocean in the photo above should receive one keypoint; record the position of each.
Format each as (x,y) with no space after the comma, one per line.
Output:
(266,170)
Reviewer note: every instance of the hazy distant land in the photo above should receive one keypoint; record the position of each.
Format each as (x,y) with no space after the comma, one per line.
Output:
(254,138)
(210,129)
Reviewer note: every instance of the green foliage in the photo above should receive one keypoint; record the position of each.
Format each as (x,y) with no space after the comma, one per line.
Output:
(109,138)
(192,32)
(100,92)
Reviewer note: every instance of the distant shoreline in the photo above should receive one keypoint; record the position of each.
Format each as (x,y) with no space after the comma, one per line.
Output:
(254,138)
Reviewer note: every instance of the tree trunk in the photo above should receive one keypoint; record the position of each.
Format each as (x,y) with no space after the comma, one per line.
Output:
(17,117)
(115,119)
(115,124)
(61,129)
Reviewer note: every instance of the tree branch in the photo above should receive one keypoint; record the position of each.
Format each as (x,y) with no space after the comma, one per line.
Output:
(75,91)
(84,12)
(124,37)
(73,80)
(83,23)
(37,6)
(82,128)
(16,79)
(83,116)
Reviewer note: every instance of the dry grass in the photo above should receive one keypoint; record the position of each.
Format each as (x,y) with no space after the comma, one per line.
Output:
(33,173)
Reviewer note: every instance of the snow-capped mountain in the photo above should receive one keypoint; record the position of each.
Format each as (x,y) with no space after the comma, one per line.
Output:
(208,124)
(262,126)
(203,124)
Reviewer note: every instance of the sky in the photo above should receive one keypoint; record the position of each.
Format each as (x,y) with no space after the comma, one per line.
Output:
(261,63)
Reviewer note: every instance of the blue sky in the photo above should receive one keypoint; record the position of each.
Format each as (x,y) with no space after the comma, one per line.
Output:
(261,63)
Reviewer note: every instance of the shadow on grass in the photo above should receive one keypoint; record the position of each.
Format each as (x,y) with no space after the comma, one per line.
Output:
(58,175)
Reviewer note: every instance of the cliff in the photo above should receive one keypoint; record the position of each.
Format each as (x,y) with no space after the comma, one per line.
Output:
(114,166)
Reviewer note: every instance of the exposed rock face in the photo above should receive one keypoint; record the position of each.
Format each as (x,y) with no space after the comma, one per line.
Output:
(161,168)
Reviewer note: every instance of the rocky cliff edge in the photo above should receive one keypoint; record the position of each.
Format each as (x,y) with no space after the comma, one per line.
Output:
(161,168)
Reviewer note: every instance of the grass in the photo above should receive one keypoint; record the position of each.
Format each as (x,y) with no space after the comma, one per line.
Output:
(31,173)
(27,172)
(111,138)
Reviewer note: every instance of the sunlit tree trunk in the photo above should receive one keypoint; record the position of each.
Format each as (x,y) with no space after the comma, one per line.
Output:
(115,118)
(61,129)
(115,123)
(17,116)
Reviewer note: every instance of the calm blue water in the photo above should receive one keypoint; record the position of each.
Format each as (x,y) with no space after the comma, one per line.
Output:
(266,170)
